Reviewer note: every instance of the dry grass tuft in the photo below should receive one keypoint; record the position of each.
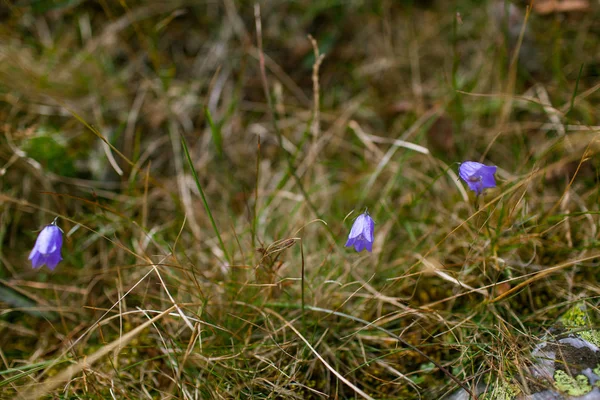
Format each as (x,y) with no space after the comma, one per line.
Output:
(250,293)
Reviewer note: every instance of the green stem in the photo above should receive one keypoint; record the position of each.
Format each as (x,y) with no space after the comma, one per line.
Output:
(206,207)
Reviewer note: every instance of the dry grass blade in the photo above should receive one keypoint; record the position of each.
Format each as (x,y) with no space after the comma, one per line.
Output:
(325,363)
(544,273)
(434,267)
(67,374)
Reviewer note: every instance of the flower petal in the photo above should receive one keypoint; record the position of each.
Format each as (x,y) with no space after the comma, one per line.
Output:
(368,233)
(52,260)
(468,170)
(487,177)
(47,247)
(359,245)
(361,234)
(350,242)
(477,176)
(49,240)
(360,224)
(36,259)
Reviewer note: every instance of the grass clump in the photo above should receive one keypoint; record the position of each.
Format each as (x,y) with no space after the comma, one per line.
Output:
(206,162)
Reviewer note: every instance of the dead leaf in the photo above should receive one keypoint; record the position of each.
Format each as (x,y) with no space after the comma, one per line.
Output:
(502,288)
(564,6)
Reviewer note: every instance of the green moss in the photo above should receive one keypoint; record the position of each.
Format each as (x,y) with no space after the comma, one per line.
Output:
(576,317)
(504,391)
(577,386)
(590,336)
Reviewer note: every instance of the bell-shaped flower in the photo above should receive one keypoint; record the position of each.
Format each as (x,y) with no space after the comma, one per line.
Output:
(477,176)
(361,234)
(47,247)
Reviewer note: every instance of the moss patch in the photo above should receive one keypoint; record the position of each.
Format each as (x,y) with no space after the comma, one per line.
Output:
(590,336)
(504,391)
(577,386)
(576,317)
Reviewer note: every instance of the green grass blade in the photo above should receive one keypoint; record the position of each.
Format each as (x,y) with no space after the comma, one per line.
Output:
(215,131)
(575,91)
(204,201)
(24,371)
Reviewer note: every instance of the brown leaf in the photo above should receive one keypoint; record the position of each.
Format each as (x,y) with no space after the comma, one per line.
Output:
(550,6)
(502,288)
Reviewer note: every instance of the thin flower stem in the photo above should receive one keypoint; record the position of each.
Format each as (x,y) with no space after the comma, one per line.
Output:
(279,135)
(255,214)
(302,283)
(575,91)
(206,207)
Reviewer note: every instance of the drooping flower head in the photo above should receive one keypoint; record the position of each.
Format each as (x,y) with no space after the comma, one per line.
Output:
(361,234)
(477,176)
(47,247)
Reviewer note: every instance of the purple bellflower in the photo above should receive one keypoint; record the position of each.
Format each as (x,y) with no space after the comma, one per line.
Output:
(361,234)
(47,247)
(477,176)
